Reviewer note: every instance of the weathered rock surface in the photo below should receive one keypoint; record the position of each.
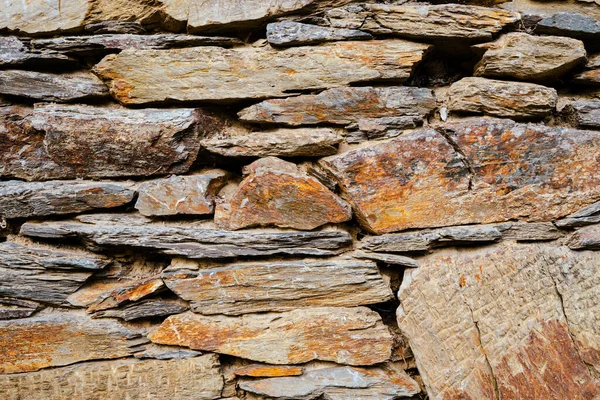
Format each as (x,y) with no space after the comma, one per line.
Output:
(268,371)
(587,238)
(586,113)
(14,53)
(37,199)
(150,308)
(243,288)
(16,308)
(125,293)
(526,57)
(385,127)
(591,77)
(424,22)
(570,24)
(508,321)
(301,142)
(419,180)
(57,339)
(291,33)
(193,241)
(252,73)
(343,106)
(115,26)
(43,16)
(337,383)
(198,378)
(114,43)
(392,259)
(80,86)
(502,99)
(133,142)
(160,352)
(277,192)
(190,194)
(354,336)
(44,274)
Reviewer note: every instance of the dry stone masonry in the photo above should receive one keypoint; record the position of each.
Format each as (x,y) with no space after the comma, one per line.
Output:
(300,200)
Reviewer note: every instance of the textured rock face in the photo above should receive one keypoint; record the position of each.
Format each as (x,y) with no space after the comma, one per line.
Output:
(133,142)
(570,24)
(587,238)
(452,188)
(587,113)
(502,99)
(43,16)
(513,321)
(266,371)
(527,57)
(16,54)
(15,308)
(290,33)
(144,309)
(197,378)
(61,339)
(343,106)
(279,286)
(126,293)
(354,336)
(192,194)
(186,74)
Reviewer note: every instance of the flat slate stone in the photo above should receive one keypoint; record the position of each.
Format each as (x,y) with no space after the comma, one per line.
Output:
(60,88)
(144,142)
(587,238)
(43,16)
(354,336)
(39,199)
(508,321)
(570,24)
(149,308)
(57,339)
(189,74)
(526,57)
(193,241)
(15,53)
(196,378)
(343,106)
(424,22)
(243,288)
(125,293)
(587,113)
(291,33)
(501,98)
(393,259)
(268,371)
(16,308)
(419,180)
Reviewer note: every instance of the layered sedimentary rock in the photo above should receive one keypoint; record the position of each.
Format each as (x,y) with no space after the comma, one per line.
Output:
(587,238)
(291,33)
(278,286)
(472,172)
(150,308)
(570,24)
(512,321)
(16,308)
(354,336)
(343,106)
(276,192)
(587,113)
(127,292)
(268,371)
(197,378)
(16,54)
(187,74)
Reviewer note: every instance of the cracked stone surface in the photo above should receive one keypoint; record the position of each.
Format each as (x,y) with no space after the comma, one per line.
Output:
(511,321)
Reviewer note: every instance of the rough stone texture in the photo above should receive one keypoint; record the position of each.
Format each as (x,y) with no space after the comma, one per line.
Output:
(114,26)
(278,286)
(419,180)
(392,259)
(276,192)
(194,378)
(57,339)
(80,86)
(291,33)
(125,293)
(587,113)
(569,223)
(43,16)
(424,22)
(354,336)
(160,352)
(193,241)
(192,194)
(509,322)
(14,53)
(587,238)
(591,77)
(301,142)
(15,308)
(570,24)
(38,199)
(386,127)
(44,274)
(133,142)
(342,106)
(252,73)
(526,57)
(337,383)
(150,308)
(502,99)
(268,371)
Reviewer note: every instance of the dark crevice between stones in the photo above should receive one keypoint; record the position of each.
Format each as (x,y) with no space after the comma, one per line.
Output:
(447,134)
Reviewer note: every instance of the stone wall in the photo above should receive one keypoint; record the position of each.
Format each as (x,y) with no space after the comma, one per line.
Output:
(299,199)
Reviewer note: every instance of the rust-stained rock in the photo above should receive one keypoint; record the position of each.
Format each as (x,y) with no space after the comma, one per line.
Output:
(590,77)
(277,192)
(195,378)
(127,292)
(291,33)
(424,22)
(301,142)
(57,339)
(278,286)
(149,308)
(43,16)
(268,371)
(190,240)
(343,106)
(354,336)
(526,57)
(16,308)
(587,238)
(190,194)
(511,321)
(504,171)
(502,99)
(61,88)
(132,142)
(338,383)
(250,72)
